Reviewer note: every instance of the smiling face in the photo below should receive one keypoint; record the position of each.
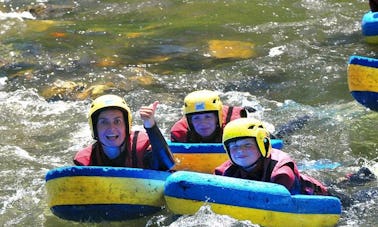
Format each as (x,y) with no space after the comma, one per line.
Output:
(111,127)
(244,152)
(204,123)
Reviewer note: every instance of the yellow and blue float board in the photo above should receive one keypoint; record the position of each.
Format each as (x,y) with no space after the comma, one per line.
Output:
(203,157)
(266,204)
(89,193)
(369,27)
(363,80)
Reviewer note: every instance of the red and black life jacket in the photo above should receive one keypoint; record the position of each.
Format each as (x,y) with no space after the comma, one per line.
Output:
(133,155)
(302,184)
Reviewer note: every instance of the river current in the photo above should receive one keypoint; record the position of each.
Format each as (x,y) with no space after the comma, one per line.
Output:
(285,58)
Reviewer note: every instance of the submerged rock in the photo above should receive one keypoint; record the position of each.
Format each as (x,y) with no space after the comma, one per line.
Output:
(69,90)
(62,90)
(231,49)
(95,91)
(43,11)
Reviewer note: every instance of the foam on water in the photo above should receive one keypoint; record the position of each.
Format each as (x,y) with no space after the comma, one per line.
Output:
(205,217)
(16,15)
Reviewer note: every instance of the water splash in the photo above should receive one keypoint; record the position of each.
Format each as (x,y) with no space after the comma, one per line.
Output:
(16,15)
(205,217)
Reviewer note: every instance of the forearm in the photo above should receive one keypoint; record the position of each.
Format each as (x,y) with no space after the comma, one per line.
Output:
(162,158)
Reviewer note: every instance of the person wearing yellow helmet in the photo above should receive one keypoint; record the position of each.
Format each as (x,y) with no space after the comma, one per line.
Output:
(251,156)
(116,144)
(204,118)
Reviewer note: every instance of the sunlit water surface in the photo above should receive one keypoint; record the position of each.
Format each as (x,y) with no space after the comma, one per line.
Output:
(160,50)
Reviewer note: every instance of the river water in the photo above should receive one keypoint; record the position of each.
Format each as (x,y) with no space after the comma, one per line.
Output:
(286,58)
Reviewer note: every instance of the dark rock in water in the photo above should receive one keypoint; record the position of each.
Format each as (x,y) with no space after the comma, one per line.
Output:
(345,199)
(291,126)
(44,11)
(363,175)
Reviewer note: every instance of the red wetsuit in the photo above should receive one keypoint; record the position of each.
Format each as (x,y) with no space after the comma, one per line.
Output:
(143,150)
(278,168)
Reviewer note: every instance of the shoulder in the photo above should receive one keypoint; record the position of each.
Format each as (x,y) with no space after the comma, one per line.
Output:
(230,113)
(179,130)
(279,154)
(83,156)
(180,124)
(140,135)
(283,159)
(85,151)
(220,170)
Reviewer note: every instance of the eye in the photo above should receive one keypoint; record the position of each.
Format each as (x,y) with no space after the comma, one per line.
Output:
(233,147)
(246,146)
(195,117)
(102,121)
(117,121)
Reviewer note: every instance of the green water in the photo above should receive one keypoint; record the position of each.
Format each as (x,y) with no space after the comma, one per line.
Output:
(160,50)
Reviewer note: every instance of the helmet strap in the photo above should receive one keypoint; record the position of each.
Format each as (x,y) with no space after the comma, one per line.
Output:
(266,146)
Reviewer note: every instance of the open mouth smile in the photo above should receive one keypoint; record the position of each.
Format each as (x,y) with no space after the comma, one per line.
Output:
(112,137)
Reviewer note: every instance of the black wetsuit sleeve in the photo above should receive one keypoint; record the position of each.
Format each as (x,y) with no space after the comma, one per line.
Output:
(162,157)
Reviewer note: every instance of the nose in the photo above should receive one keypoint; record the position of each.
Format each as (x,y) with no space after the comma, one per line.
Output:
(202,120)
(111,125)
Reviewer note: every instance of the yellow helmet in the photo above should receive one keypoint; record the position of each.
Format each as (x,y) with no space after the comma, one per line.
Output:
(244,128)
(203,101)
(104,102)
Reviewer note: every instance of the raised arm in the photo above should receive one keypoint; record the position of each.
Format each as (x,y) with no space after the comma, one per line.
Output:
(162,158)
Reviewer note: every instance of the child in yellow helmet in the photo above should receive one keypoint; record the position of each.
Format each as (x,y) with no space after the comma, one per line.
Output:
(204,118)
(117,144)
(251,156)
